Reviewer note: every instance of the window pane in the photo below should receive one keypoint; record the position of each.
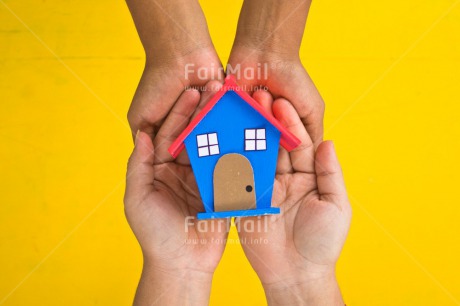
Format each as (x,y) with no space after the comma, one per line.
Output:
(202,140)
(212,139)
(204,151)
(260,133)
(214,150)
(250,134)
(261,145)
(250,145)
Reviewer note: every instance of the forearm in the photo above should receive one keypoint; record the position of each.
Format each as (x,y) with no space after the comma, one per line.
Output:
(158,287)
(273,25)
(169,28)
(321,291)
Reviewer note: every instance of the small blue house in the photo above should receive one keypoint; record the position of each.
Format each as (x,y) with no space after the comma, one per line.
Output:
(233,146)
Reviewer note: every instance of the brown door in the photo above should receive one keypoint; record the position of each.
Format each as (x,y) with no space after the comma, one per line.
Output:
(234,183)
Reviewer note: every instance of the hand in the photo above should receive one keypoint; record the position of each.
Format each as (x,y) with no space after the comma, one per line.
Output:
(161,86)
(285,78)
(297,264)
(160,194)
(179,54)
(267,43)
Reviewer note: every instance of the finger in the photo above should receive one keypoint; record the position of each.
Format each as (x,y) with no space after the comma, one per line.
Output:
(309,105)
(176,121)
(331,185)
(314,125)
(140,173)
(313,120)
(283,165)
(210,89)
(152,101)
(265,99)
(303,157)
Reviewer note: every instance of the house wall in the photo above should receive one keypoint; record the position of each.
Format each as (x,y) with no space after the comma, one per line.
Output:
(229,118)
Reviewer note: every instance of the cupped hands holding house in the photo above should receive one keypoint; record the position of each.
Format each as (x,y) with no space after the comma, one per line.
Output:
(295,266)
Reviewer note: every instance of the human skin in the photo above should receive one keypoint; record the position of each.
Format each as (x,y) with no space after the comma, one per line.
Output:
(297,264)
(180,254)
(175,36)
(269,35)
(167,187)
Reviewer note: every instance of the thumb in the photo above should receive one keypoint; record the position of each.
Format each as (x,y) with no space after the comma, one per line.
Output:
(331,185)
(140,173)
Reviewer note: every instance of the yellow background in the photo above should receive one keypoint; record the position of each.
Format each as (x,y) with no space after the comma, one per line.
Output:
(388,71)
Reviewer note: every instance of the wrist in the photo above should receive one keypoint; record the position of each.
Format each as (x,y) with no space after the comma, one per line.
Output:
(266,37)
(171,269)
(265,41)
(176,51)
(242,53)
(169,30)
(195,68)
(274,26)
(314,290)
(160,285)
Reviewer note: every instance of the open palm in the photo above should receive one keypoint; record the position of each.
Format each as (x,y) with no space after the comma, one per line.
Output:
(161,193)
(307,237)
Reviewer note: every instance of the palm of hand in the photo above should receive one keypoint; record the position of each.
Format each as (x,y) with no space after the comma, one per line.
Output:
(161,210)
(311,229)
(303,237)
(189,243)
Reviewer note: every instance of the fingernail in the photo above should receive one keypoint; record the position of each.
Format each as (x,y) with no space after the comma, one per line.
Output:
(137,136)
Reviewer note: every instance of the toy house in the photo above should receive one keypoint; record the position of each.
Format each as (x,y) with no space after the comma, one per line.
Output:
(233,146)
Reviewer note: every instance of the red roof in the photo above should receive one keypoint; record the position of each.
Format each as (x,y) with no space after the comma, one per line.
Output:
(288,140)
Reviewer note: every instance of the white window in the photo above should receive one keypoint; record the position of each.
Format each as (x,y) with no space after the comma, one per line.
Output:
(254,140)
(207,144)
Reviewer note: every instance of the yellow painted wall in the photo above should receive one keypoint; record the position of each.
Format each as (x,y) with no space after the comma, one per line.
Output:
(389,72)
